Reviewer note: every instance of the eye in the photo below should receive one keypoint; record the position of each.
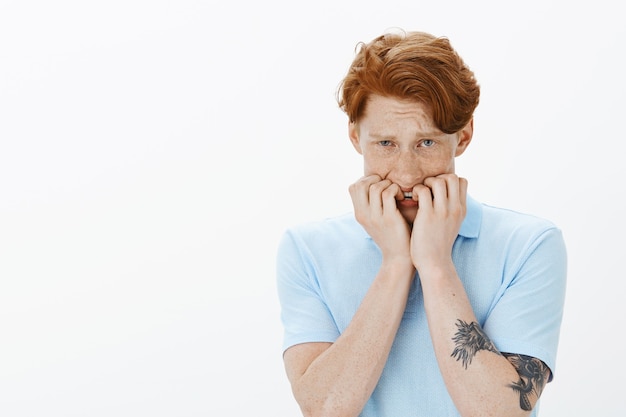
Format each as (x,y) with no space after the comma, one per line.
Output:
(385,143)
(428,143)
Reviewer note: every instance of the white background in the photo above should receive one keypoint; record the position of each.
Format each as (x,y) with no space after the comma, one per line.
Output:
(152,152)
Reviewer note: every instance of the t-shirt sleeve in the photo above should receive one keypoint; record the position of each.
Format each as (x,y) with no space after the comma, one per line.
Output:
(304,314)
(527,317)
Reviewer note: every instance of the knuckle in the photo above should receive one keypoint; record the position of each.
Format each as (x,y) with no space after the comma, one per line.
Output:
(388,192)
(458,211)
(434,181)
(361,182)
(380,185)
(375,186)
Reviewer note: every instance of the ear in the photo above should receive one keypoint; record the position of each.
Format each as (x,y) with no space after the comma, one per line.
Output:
(353,133)
(464,137)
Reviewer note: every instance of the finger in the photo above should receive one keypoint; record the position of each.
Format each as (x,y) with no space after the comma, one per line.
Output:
(390,196)
(457,193)
(439,189)
(463,190)
(359,191)
(457,189)
(452,185)
(424,197)
(376,195)
(399,194)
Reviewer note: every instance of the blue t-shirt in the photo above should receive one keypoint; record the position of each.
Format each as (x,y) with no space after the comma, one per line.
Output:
(513,267)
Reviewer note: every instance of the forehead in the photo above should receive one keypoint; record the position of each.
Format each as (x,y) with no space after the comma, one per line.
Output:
(388,113)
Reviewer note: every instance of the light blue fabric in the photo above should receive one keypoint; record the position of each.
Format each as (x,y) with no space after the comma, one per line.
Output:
(513,267)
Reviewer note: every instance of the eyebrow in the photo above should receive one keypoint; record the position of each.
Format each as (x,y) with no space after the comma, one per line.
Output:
(430,134)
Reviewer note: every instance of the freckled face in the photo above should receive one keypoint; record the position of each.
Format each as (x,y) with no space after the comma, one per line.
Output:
(400,142)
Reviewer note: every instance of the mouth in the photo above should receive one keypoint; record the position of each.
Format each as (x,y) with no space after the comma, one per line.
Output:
(408,195)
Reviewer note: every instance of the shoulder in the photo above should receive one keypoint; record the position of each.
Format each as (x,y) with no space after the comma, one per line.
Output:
(524,242)
(519,235)
(342,227)
(327,241)
(498,221)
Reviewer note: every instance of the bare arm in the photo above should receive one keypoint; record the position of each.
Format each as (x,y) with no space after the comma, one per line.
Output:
(337,379)
(480,380)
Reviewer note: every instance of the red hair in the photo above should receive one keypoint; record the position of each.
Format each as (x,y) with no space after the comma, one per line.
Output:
(413,66)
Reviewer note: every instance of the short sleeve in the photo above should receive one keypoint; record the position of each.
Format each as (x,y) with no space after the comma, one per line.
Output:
(526,319)
(304,314)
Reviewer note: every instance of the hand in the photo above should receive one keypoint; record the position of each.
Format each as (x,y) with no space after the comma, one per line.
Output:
(374,201)
(441,210)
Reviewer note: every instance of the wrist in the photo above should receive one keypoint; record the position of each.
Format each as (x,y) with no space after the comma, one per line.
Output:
(398,266)
(436,270)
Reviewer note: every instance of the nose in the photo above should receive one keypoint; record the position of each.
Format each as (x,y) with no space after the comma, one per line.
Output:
(407,170)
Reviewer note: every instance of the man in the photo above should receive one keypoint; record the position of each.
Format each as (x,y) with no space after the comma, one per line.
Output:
(423,302)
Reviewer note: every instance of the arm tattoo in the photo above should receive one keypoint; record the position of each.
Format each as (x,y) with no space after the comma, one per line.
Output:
(533,375)
(469,339)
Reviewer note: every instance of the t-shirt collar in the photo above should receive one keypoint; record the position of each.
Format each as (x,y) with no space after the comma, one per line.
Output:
(470,228)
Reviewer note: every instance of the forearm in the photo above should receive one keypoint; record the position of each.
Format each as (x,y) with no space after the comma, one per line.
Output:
(477,376)
(341,379)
